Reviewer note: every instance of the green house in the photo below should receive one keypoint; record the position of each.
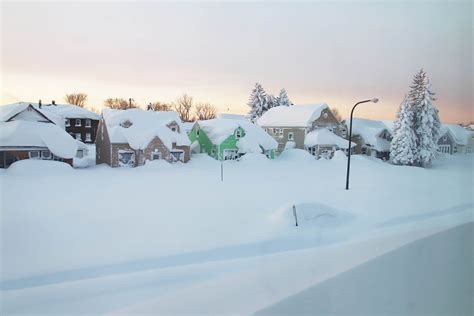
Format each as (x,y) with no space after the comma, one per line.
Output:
(228,139)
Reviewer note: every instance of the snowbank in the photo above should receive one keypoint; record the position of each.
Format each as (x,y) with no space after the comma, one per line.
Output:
(38,167)
(296,155)
(309,214)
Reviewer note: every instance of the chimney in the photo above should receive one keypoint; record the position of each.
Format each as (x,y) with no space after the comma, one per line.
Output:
(39,103)
(53,102)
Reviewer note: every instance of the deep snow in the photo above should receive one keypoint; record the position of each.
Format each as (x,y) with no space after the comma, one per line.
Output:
(99,240)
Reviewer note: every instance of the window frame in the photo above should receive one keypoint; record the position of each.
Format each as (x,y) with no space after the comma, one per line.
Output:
(88,123)
(88,137)
(38,153)
(76,123)
(67,123)
(292,136)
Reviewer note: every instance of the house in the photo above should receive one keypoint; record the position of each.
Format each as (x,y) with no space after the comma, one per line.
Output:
(289,126)
(78,122)
(131,137)
(228,139)
(455,139)
(373,138)
(28,133)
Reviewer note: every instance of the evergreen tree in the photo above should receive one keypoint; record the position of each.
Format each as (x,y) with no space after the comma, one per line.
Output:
(283,99)
(403,149)
(257,102)
(271,102)
(426,124)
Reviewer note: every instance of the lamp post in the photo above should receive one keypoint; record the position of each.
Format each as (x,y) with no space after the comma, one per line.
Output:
(349,147)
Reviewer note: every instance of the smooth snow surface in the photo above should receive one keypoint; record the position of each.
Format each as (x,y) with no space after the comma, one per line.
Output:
(37,134)
(323,136)
(292,116)
(138,128)
(167,239)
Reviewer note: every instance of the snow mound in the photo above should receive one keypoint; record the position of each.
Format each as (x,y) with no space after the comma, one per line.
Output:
(339,155)
(299,155)
(254,158)
(38,167)
(310,214)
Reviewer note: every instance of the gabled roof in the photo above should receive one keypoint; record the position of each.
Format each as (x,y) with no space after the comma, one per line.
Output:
(146,125)
(255,137)
(460,135)
(56,113)
(292,116)
(323,136)
(370,131)
(37,134)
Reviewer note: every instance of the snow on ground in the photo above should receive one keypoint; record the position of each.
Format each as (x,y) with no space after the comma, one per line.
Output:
(103,240)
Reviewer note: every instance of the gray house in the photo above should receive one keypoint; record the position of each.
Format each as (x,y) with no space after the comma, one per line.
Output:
(290,126)
(128,138)
(455,140)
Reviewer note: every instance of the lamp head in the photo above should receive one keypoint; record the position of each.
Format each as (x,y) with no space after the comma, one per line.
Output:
(374,100)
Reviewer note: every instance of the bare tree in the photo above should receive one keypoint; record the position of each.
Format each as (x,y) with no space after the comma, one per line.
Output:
(78,99)
(120,104)
(183,106)
(158,106)
(205,111)
(336,113)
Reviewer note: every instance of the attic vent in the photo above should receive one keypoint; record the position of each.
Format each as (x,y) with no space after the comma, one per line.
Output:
(126,124)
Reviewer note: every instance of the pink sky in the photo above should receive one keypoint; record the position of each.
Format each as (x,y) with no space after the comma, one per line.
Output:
(334,53)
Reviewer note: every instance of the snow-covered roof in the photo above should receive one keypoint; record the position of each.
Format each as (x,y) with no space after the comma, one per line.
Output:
(323,136)
(292,116)
(370,131)
(461,135)
(232,116)
(255,137)
(188,126)
(53,112)
(37,134)
(146,125)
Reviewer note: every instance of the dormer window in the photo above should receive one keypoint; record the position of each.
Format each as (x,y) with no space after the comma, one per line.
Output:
(67,122)
(238,133)
(88,123)
(78,123)
(173,126)
(126,124)
(174,129)
(325,114)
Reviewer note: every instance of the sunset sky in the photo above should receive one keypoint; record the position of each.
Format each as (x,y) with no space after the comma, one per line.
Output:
(336,53)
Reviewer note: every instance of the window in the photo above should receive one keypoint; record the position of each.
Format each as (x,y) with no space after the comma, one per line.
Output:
(46,154)
(177,155)
(67,122)
(325,114)
(34,154)
(78,122)
(197,132)
(278,132)
(80,153)
(238,133)
(78,136)
(88,137)
(155,155)
(290,136)
(173,128)
(445,138)
(126,158)
(88,123)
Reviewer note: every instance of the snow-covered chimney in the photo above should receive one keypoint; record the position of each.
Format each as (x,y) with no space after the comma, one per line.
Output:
(53,102)
(39,104)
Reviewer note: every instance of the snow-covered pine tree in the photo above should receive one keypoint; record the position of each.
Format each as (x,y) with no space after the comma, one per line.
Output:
(257,102)
(271,102)
(283,99)
(426,122)
(403,150)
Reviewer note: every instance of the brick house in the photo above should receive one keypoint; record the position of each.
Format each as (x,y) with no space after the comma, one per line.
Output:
(131,137)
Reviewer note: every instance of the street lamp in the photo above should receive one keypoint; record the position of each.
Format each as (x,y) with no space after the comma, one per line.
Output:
(349,148)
